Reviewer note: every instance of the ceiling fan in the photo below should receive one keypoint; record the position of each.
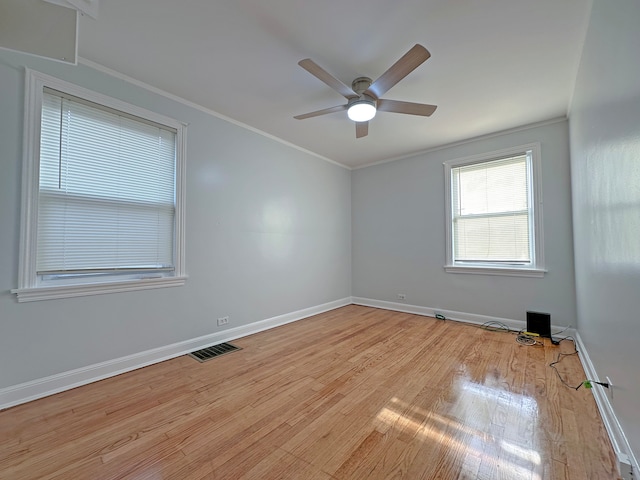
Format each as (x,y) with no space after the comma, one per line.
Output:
(363,98)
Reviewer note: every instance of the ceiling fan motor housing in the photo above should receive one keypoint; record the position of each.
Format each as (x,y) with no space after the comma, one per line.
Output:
(362,99)
(360,84)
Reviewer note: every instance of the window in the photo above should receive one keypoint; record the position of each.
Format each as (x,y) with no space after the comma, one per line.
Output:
(102,195)
(494,213)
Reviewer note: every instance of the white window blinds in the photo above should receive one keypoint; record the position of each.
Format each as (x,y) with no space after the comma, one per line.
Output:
(106,199)
(491,212)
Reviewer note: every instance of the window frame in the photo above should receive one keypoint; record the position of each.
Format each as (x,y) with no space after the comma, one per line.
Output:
(30,288)
(536,267)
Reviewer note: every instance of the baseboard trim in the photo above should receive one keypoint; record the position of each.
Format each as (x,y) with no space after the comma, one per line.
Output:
(516,325)
(431,312)
(43,387)
(619,441)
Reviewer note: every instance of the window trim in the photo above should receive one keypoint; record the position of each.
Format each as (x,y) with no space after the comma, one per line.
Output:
(28,288)
(536,269)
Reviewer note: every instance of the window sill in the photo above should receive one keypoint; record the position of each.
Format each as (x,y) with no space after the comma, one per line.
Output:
(67,291)
(487,270)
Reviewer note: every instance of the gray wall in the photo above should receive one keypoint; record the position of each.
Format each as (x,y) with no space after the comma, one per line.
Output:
(399,239)
(605,165)
(267,233)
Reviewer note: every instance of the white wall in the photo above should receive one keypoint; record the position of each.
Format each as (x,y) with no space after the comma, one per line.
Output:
(267,233)
(399,239)
(605,165)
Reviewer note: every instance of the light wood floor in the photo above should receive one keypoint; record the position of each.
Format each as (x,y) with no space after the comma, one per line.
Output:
(353,393)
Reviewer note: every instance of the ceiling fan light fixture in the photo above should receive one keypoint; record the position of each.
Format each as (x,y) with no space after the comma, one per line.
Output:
(362,110)
(364,96)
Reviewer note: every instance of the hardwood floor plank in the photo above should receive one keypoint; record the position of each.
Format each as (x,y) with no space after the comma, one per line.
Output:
(361,462)
(282,465)
(356,392)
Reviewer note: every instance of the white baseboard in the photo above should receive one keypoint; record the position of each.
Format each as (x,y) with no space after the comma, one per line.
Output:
(28,391)
(516,325)
(618,439)
(431,312)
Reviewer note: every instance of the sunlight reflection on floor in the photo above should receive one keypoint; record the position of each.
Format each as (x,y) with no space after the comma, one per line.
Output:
(472,428)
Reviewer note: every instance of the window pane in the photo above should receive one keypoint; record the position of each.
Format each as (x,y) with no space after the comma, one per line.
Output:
(107,189)
(76,233)
(491,187)
(496,239)
(490,207)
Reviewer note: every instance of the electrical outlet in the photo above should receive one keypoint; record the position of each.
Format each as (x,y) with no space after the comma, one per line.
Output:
(402,296)
(223,321)
(610,389)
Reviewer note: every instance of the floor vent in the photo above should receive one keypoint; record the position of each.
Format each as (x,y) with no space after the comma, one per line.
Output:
(213,351)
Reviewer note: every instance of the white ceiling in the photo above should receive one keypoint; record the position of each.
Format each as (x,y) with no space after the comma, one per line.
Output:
(495,64)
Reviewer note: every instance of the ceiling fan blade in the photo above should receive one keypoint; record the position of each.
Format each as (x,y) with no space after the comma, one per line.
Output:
(317,71)
(324,111)
(362,129)
(406,107)
(403,67)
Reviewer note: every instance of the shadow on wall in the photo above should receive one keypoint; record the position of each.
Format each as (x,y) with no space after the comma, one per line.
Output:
(611,179)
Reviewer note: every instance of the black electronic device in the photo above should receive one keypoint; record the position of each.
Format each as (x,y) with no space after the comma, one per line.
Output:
(539,323)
